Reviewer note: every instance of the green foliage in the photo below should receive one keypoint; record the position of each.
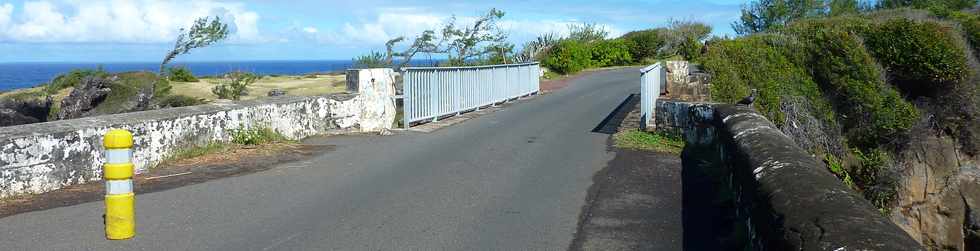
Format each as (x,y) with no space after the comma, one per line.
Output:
(587,33)
(235,86)
(72,79)
(373,59)
(534,50)
(939,7)
(568,56)
(770,63)
(873,176)
(640,140)
(473,41)
(644,44)
(180,101)
(970,23)
(763,15)
(180,74)
(922,57)
(256,136)
(610,53)
(684,38)
(874,113)
(204,32)
(126,87)
(835,166)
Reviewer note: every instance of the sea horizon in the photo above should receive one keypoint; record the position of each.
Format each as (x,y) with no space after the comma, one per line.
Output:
(19,75)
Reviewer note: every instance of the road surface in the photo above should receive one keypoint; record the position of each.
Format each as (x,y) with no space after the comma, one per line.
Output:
(515,179)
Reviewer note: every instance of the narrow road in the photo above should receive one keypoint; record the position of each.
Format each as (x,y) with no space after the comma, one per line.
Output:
(515,179)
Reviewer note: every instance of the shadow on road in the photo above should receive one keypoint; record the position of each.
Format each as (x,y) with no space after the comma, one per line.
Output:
(708,204)
(612,122)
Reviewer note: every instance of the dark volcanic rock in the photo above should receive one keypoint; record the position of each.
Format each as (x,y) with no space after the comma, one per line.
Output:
(85,97)
(276,93)
(18,112)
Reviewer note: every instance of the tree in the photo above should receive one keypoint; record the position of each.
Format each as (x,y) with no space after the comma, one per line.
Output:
(587,33)
(644,44)
(685,38)
(467,43)
(928,4)
(533,50)
(236,85)
(373,59)
(763,15)
(201,34)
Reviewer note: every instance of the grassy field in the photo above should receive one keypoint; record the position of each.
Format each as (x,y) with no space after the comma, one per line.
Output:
(309,85)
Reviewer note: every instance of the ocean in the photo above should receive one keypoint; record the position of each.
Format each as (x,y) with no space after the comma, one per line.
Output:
(23,75)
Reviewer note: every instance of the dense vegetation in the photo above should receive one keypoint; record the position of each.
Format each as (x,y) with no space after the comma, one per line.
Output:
(870,72)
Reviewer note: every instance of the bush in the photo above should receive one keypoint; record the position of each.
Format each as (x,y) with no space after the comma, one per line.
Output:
(180,101)
(235,86)
(644,44)
(567,57)
(765,62)
(872,174)
(610,53)
(256,136)
(874,113)
(72,79)
(180,74)
(921,57)
(970,24)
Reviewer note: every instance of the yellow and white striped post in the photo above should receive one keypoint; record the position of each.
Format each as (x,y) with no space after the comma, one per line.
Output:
(120,204)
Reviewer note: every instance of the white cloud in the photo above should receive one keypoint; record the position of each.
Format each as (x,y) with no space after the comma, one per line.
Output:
(310,30)
(126,21)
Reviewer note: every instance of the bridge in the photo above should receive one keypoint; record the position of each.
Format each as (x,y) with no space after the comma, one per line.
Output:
(536,174)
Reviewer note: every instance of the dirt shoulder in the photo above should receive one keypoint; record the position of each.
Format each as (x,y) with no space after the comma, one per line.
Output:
(172,174)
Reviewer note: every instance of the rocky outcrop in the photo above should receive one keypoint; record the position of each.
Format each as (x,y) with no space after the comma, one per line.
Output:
(18,112)
(938,193)
(84,98)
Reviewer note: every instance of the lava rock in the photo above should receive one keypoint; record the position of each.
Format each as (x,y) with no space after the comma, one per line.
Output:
(84,98)
(277,92)
(19,112)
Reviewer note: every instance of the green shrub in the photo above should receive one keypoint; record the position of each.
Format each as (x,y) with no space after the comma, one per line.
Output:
(611,53)
(873,175)
(644,44)
(72,79)
(835,166)
(766,62)
(922,58)
(970,23)
(256,136)
(180,101)
(874,113)
(235,86)
(567,57)
(180,74)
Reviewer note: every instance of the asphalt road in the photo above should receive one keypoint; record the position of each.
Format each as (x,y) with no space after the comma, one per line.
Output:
(515,179)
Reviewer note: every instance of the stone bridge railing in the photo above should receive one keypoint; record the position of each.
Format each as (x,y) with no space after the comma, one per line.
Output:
(786,198)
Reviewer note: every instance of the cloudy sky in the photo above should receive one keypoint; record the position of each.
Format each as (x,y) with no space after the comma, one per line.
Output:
(143,30)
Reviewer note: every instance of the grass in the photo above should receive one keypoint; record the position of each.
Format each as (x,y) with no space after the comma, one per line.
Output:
(197,151)
(640,140)
(306,85)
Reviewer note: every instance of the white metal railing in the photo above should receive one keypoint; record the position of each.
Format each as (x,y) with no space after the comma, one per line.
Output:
(432,92)
(652,83)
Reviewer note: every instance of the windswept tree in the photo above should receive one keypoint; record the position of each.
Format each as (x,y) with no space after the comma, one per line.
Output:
(473,41)
(204,32)
(482,39)
(587,33)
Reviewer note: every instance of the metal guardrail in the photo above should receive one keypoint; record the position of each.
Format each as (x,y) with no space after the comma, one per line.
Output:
(652,83)
(432,92)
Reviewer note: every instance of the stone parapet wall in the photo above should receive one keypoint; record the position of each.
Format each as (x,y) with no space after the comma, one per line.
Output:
(790,199)
(38,158)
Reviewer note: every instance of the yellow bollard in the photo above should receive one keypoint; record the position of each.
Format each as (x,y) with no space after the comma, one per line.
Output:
(120,216)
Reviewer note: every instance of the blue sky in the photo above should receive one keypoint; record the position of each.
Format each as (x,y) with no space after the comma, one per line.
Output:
(143,30)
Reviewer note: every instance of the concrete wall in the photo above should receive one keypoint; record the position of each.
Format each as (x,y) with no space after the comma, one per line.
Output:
(790,199)
(42,157)
(785,199)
